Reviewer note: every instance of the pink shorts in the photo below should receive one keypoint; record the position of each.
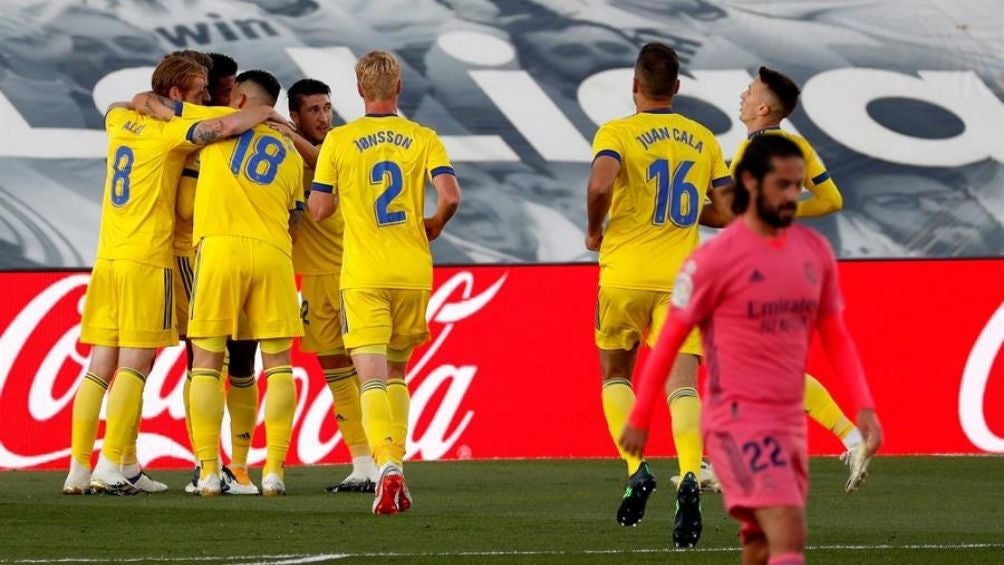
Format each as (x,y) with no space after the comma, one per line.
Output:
(759,465)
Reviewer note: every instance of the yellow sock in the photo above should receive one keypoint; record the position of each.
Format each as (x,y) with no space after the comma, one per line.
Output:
(378,422)
(344,386)
(125,399)
(186,397)
(242,402)
(822,408)
(618,399)
(86,410)
(129,451)
(207,417)
(400,399)
(685,410)
(280,405)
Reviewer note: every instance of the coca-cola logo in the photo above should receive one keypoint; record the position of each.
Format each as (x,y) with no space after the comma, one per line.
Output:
(973,390)
(42,364)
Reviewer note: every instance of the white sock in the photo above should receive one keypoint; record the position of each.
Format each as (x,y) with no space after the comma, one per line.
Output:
(131,470)
(363,466)
(852,439)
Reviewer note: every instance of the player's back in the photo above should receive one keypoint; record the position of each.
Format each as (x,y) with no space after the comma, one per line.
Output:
(247,187)
(668,163)
(145,158)
(768,295)
(381,164)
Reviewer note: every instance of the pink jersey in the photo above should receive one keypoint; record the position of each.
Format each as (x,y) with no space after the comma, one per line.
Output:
(757,301)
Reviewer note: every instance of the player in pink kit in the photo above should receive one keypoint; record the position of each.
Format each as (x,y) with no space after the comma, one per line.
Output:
(757,291)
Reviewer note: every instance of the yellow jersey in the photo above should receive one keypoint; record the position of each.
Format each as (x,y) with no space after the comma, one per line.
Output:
(668,163)
(318,246)
(184,207)
(826,196)
(378,165)
(145,158)
(248,185)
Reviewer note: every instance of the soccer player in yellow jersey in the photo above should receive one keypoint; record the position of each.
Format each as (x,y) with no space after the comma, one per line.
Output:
(129,305)
(377,167)
(770,98)
(652,173)
(242,400)
(247,188)
(317,257)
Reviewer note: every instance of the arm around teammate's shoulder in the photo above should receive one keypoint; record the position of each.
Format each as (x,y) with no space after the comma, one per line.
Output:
(208,131)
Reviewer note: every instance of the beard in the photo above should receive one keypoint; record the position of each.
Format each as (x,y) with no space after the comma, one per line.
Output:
(775,216)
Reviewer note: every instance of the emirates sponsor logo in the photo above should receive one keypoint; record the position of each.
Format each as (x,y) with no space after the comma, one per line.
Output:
(41,366)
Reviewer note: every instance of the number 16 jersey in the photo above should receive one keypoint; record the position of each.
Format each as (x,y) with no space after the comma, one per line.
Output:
(378,166)
(668,162)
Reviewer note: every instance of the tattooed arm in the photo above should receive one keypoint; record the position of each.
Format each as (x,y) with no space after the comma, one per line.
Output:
(208,131)
(156,106)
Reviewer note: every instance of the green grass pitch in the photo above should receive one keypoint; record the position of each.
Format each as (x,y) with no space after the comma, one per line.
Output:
(916,510)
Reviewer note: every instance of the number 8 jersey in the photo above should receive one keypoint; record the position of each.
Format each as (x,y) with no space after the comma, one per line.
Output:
(668,162)
(145,159)
(378,166)
(248,185)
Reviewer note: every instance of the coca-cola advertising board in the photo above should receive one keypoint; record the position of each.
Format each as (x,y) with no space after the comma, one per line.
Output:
(511,370)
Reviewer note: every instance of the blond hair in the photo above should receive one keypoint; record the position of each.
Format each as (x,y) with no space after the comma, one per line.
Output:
(177,71)
(378,74)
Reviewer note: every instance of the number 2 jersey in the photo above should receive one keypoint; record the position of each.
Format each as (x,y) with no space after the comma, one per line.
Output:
(248,185)
(668,162)
(378,165)
(145,160)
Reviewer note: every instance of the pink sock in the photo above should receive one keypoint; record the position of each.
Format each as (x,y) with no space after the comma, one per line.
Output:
(791,558)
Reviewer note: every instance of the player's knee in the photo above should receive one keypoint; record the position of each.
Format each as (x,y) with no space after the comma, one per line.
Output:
(241,358)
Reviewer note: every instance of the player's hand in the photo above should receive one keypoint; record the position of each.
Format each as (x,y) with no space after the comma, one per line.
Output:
(283,127)
(593,241)
(871,429)
(633,440)
(432,228)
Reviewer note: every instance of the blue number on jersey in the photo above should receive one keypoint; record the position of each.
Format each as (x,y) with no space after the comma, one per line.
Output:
(380,170)
(671,201)
(122,166)
(260,155)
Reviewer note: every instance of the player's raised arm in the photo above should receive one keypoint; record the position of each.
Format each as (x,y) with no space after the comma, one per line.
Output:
(157,106)
(599,194)
(208,131)
(304,147)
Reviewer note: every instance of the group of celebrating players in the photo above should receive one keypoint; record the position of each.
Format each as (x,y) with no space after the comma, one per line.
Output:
(202,206)
(201,235)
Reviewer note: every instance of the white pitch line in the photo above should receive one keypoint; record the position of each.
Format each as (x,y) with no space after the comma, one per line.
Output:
(301,559)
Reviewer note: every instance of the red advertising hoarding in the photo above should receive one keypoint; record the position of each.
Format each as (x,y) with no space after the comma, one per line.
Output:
(511,370)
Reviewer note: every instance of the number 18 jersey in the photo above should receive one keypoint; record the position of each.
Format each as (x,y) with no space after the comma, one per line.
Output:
(378,166)
(668,162)
(248,185)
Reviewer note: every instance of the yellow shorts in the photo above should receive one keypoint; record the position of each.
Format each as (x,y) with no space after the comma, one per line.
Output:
(236,275)
(625,317)
(394,317)
(183,277)
(129,304)
(320,310)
